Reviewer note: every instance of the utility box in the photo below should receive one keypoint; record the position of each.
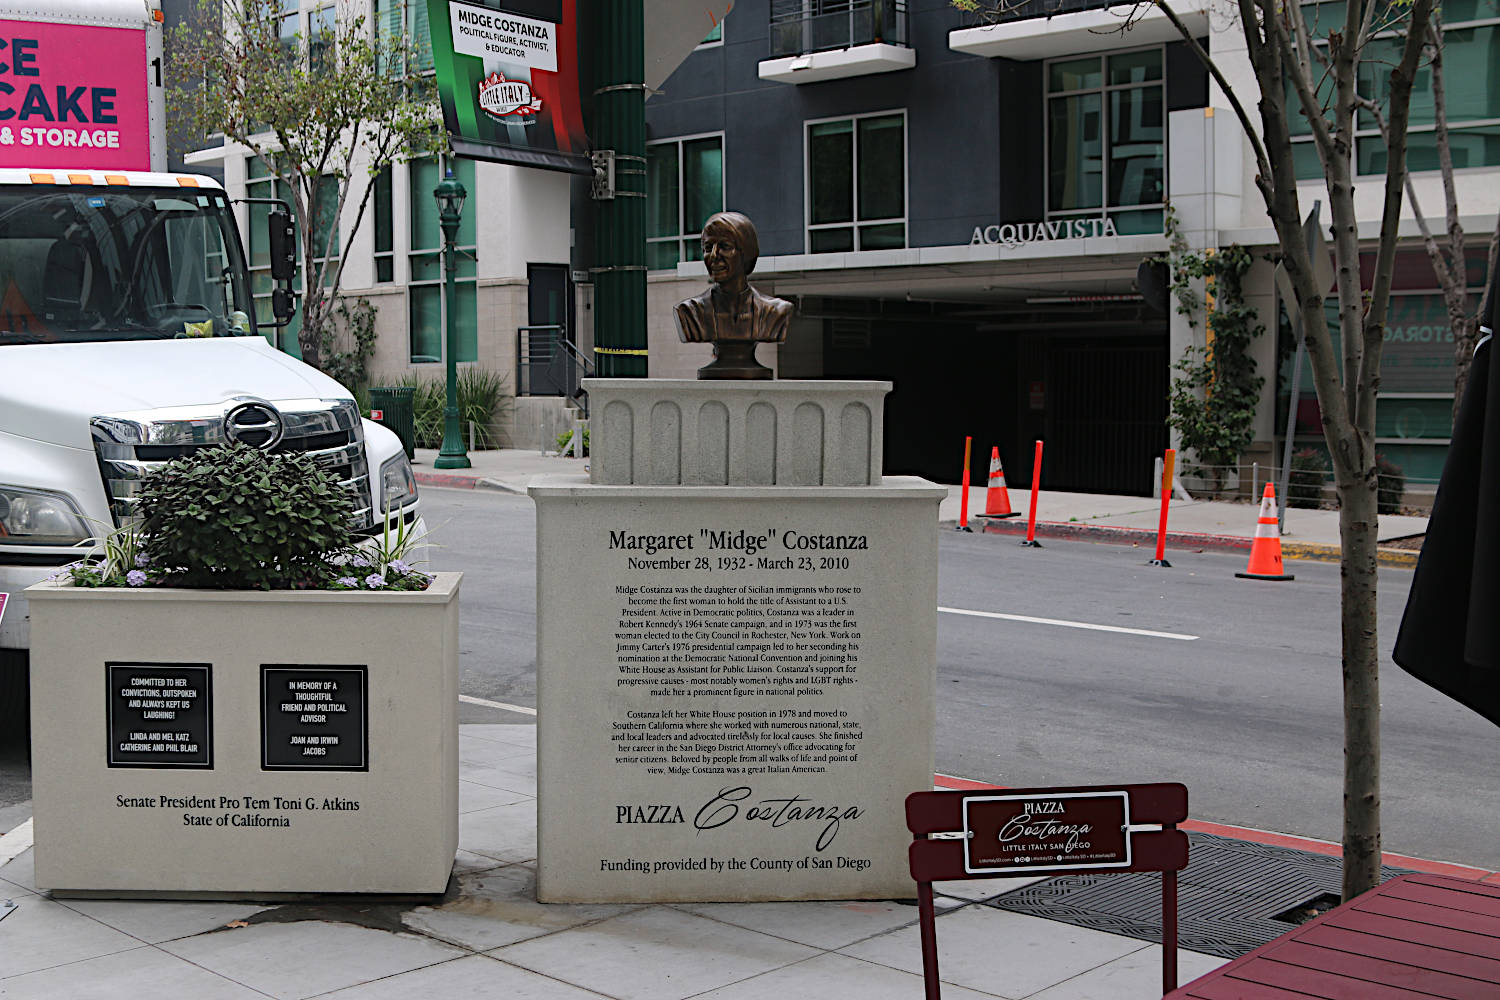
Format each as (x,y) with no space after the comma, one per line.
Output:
(394,407)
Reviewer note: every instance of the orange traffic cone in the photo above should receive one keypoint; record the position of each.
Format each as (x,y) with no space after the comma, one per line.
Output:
(997,497)
(1265,551)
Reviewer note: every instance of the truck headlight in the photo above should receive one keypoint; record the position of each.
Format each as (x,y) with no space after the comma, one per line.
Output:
(36,517)
(398,484)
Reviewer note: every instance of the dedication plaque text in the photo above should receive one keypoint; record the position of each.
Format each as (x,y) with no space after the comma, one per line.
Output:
(159,715)
(314,718)
(744,698)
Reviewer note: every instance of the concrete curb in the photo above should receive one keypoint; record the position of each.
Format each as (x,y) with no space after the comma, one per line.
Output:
(1308,551)
(461,482)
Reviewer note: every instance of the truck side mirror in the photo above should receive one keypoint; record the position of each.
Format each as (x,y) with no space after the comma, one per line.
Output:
(283,244)
(283,305)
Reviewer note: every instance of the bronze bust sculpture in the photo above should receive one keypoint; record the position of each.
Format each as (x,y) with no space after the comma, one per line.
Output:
(731,315)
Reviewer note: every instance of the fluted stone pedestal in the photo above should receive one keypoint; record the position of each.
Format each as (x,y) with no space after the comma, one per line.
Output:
(736,646)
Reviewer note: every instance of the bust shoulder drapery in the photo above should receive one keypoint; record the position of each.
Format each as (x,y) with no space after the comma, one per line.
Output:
(730,314)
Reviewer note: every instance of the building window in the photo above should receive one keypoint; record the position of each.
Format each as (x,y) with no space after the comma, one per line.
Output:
(325,231)
(385,228)
(1471,78)
(286,16)
(426,322)
(260,184)
(684,186)
(1106,139)
(404,33)
(324,235)
(715,36)
(322,25)
(856,183)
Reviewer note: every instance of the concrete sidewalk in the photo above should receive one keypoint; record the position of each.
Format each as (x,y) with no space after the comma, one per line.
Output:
(1191,524)
(492,939)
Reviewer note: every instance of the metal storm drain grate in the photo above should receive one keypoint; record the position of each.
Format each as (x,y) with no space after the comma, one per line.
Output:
(1229,897)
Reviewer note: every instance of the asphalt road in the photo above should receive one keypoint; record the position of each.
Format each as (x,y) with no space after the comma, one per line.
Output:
(1248,714)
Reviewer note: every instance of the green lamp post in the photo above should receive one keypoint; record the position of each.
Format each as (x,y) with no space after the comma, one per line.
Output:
(450,194)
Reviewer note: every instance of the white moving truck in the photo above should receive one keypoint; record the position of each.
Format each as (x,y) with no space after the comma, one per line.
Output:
(128,332)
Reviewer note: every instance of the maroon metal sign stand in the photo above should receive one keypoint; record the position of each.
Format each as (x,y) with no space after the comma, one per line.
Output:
(1081,830)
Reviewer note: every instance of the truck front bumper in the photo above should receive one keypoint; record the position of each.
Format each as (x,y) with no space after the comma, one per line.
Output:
(15,622)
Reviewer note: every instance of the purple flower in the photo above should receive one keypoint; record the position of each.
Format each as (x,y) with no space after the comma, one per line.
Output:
(374,580)
(347,581)
(359,561)
(136,578)
(399,568)
(141,559)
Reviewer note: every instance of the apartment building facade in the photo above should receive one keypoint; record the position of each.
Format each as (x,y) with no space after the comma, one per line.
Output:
(957,205)
(960,205)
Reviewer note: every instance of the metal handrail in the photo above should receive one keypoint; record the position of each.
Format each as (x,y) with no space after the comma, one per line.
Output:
(800,26)
(584,369)
(548,364)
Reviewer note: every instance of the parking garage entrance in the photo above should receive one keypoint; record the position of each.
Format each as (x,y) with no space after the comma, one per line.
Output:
(1090,379)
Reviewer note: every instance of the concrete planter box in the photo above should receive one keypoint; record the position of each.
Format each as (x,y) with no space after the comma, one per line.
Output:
(196,743)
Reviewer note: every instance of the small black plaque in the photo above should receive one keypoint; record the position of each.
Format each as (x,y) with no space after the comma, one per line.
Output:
(314,718)
(159,715)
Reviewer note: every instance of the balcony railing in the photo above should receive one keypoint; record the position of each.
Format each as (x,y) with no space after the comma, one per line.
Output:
(1021,10)
(801,26)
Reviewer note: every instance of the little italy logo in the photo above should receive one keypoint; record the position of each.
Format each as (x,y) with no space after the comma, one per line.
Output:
(507,99)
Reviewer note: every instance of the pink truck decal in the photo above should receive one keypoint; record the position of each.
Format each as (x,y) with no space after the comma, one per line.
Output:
(73,96)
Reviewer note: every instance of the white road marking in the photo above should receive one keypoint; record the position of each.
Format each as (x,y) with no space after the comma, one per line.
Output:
(1068,624)
(15,843)
(522,709)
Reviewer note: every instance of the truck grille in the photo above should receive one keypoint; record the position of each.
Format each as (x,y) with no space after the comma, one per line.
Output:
(131,445)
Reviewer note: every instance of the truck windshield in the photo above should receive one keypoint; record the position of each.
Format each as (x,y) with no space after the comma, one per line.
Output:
(94,263)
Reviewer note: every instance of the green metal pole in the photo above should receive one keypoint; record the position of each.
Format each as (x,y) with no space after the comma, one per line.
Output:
(620,252)
(452,454)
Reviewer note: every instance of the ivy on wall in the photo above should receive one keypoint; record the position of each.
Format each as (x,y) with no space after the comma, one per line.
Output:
(1213,398)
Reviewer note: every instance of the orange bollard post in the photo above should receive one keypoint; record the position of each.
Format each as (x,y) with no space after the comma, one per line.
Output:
(963,507)
(1030,541)
(1168,461)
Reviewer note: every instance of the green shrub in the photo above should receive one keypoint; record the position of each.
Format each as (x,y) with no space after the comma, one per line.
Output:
(566,438)
(1309,473)
(1389,486)
(481,400)
(236,518)
(239,518)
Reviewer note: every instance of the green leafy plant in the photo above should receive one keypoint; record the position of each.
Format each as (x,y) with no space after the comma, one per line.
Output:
(123,556)
(1308,474)
(1391,486)
(395,547)
(1213,400)
(565,440)
(238,518)
(348,343)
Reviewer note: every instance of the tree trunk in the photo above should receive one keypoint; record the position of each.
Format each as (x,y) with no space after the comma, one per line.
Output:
(314,316)
(1361,672)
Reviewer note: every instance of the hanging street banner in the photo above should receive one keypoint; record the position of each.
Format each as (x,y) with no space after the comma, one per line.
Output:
(507,75)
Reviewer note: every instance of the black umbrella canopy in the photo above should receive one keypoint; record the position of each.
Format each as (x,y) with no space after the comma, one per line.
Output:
(1450,633)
